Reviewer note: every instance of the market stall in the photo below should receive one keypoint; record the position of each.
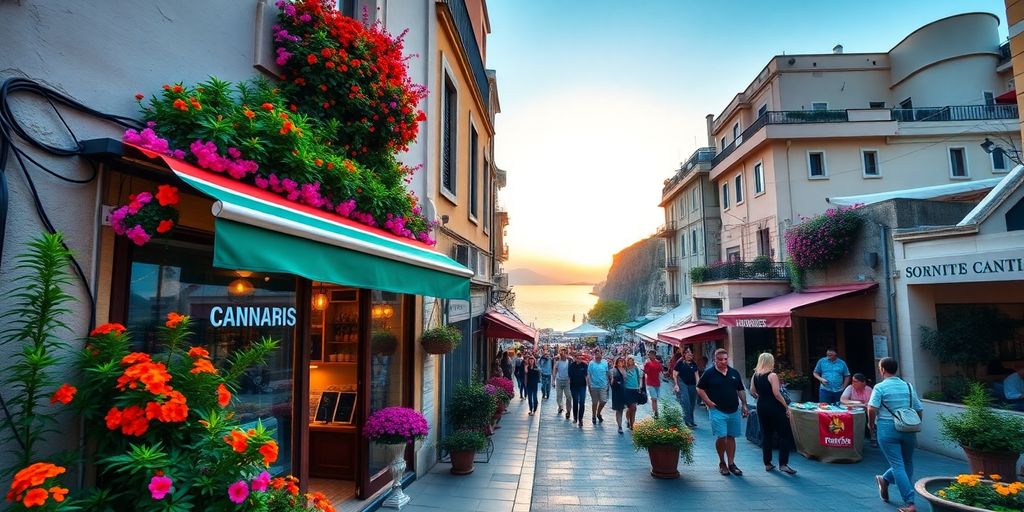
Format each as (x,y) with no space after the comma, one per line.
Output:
(828,433)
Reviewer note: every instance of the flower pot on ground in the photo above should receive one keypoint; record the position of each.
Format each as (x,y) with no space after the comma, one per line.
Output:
(471,408)
(666,439)
(440,340)
(505,390)
(992,439)
(463,445)
(970,493)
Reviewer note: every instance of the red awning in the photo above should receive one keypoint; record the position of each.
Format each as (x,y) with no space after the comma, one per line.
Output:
(500,325)
(777,311)
(692,333)
(1007,98)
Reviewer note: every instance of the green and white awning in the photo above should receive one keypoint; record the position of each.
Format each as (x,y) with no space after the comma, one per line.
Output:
(260,231)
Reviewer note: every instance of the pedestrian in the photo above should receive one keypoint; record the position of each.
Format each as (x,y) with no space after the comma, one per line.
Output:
(676,356)
(721,389)
(633,380)
(652,373)
(506,364)
(544,364)
(560,372)
(685,374)
(857,395)
(597,383)
(833,374)
(532,380)
(518,371)
(898,447)
(578,388)
(772,413)
(618,387)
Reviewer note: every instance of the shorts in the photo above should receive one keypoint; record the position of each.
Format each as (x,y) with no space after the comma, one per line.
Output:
(599,395)
(654,392)
(725,424)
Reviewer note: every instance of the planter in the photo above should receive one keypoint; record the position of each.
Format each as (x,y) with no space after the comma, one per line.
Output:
(664,461)
(926,488)
(396,498)
(797,395)
(436,346)
(462,462)
(993,463)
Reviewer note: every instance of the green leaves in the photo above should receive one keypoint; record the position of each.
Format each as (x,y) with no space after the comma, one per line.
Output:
(609,313)
(982,428)
(140,458)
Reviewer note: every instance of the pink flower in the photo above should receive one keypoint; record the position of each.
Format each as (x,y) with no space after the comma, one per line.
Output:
(238,492)
(261,482)
(159,486)
(137,235)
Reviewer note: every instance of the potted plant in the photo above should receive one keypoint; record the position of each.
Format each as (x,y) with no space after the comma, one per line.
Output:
(993,440)
(463,445)
(970,493)
(795,383)
(762,266)
(698,274)
(499,403)
(396,427)
(665,439)
(383,343)
(440,340)
(472,408)
(505,391)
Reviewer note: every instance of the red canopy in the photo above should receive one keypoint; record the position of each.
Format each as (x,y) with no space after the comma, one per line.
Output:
(692,332)
(777,311)
(1008,97)
(500,325)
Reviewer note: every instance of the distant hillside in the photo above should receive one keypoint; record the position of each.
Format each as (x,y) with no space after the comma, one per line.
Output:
(637,276)
(526,276)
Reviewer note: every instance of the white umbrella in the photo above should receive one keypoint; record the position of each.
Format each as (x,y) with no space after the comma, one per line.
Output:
(586,329)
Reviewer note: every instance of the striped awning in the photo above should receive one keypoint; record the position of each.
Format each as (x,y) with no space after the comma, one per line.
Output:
(260,231)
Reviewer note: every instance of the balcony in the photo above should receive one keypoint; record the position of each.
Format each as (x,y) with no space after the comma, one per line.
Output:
(671,299)
(956,113)
(1004,55)
(464,27)
(701,156)
(740,271)
(667,230)
(671,263)
(783,117)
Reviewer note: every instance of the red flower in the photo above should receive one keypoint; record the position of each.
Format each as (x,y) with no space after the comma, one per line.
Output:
(311,59)
(173,319)
(223,396)
(35,497)
(267,106)
(198,352)
(181,105)
(64,394)
(238,441)
(167,195)
(164,226)
(269,452)
(139,96)
(107,329)
(249,113)
(177,88)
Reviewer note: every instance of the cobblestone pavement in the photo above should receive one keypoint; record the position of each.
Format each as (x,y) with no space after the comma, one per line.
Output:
(595,469)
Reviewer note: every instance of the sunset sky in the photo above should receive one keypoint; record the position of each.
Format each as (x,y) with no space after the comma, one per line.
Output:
(601,100)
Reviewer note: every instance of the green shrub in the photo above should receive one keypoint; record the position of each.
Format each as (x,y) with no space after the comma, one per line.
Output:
(698,274)
(761,265)
(444,334)
(472,407)
(464,440)
(982,428)
(668,429)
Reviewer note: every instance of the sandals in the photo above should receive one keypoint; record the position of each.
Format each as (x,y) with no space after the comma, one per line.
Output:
(769,467)
(723,469)
(787,470)
(735,470)
(883,488)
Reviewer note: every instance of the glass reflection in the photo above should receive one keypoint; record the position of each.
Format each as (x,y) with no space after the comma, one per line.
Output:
(387,319)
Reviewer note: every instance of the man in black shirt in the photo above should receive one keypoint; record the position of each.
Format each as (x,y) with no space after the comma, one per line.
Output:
(685,375)
(721,389)
(578,388)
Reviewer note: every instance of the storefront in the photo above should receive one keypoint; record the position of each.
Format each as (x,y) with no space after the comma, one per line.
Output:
(702,338)
(340,297)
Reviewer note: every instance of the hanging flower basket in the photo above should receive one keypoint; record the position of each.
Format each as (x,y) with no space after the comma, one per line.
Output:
(823,239)
(440,340)
(146,215)
(383,343)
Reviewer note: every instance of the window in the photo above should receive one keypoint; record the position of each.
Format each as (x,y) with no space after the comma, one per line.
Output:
(998,160)
(474,174)
(990,99)
(907,103)
(732,254)
(764,242)
(819,105)
(739,188)
(721,143)
(758,178)
(449,118)
(762,110)
(725,196)
(816,164)
(957,163)
(693,199)
(735,131)
(682,245)
(876,104)
(693,242)
(488,214)
(869,159)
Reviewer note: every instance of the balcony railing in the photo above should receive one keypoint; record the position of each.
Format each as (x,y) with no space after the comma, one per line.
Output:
(741,271)
(464,26)
(783,117)
(956,113)
(702,155)
(671,263)
(668,229)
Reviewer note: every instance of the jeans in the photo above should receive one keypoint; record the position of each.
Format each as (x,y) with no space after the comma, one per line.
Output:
(562,390)
(545,386)
(829,397)
(520,381)
(898,448)
(688,400)
(531,396)
(579,402)
(774,420)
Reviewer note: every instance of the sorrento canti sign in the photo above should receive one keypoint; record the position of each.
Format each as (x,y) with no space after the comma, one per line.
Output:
(995,266)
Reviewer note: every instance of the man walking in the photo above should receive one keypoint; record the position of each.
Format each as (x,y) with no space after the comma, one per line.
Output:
(561,374)
(544,364)
(833,374)
(578,388)
(597,382)
(685,375)
(721,389)
(652,377)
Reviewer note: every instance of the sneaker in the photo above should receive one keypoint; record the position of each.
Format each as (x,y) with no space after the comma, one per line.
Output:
(581,423)
(600,419)
(593,419)
(560,410)
(883,488)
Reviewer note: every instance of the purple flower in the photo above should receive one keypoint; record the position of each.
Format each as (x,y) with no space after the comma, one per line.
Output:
(261,482)
(137,235)
(393,425)
(238,492)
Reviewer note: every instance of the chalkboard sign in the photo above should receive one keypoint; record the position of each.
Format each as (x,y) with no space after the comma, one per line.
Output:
(346,410)
(325,408)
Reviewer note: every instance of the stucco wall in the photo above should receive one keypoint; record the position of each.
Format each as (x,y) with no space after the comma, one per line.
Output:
(841,89)
(930,44)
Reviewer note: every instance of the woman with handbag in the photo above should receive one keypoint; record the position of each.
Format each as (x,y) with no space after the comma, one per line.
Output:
(634,383)
(618,386)
(894,413)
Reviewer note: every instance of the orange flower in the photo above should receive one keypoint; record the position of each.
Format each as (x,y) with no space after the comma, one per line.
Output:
(113,418)
(203,366)
(173,319)
(180,105)
(195,103)
(267,106)
(249,113)
(164,226)
(197,352)
(153,411)
(167,195)
(223,396)
(173,412)
(277,483)
(133,421)
(177,88)
(107,329)
(269,452)
(58,493)
(238,441)
(64,394)
(134,358)
(318,162)
(286,128)
(35,497)
(31,476)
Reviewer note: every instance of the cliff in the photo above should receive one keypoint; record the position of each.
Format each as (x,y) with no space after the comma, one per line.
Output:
(637,276)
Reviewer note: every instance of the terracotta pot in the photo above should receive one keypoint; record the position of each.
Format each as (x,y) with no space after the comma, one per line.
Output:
(462,462)
(435,347)
(664,461)
(993,463)
(926,488)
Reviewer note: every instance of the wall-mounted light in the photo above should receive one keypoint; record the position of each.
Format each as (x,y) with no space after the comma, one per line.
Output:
(320,301)
(444,219)
(988,146)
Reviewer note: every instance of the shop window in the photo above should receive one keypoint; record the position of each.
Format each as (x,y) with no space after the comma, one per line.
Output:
(229,309)
(386,372)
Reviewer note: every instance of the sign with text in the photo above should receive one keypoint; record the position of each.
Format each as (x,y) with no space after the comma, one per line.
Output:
(459,310)
(835,429)
(708,309)
(251,316)
(964,268)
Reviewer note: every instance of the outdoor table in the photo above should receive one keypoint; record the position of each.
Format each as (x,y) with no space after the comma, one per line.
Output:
(816,440)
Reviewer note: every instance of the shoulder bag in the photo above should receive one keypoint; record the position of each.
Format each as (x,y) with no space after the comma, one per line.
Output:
(906,419)
(641,394)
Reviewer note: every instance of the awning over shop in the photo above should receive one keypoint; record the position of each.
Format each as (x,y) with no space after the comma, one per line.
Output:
(260,231)
(676,316)
(636,324)
(1008,97)
(777,311)
(692,333)
(500,325)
